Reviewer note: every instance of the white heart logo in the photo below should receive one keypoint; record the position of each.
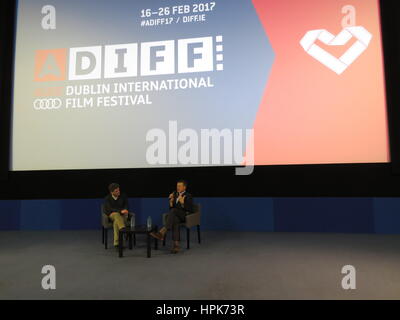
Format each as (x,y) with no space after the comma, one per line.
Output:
(338,65)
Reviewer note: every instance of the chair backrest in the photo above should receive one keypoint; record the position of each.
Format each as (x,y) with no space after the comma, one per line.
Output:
(197,208)
(194,218)
(105,220)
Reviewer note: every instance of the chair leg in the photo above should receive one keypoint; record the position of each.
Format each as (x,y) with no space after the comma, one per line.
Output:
(198,233)
(163,243)
(105,238)
(188,237)
(102,235)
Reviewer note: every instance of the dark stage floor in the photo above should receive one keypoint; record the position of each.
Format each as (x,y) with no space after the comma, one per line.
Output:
(227,265)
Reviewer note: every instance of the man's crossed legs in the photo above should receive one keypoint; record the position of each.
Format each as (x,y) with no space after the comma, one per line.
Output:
(119,222)
(174,218)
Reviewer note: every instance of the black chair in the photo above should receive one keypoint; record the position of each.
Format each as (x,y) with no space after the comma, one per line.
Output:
(106,224)
(192,220)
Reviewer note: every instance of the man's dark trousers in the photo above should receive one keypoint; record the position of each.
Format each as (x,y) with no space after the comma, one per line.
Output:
(175,217)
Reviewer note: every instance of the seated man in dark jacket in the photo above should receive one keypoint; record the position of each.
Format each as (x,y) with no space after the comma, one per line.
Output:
(180,204)
(116,208)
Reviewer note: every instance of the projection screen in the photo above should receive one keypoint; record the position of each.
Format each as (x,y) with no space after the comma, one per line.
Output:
(102,84)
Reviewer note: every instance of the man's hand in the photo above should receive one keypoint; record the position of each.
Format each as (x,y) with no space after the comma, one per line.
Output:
(171,199)
(124,211)
(181,199)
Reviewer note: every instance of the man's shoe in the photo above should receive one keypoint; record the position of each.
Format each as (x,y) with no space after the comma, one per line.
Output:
(157,235)
(175,250)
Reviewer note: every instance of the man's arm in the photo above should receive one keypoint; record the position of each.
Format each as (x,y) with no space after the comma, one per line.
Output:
(125,205)
(107,207)
(188,203)
(172,200)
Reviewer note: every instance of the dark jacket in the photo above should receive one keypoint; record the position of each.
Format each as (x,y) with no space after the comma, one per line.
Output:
(187,204)
(111,205)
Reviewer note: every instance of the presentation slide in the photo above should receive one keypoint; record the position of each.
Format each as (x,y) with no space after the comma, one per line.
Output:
(102,84)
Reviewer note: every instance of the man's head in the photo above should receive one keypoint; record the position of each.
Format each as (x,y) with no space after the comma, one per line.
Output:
(181,186)
(114,189)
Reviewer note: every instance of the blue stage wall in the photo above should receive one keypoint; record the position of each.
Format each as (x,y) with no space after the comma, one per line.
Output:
(343,215)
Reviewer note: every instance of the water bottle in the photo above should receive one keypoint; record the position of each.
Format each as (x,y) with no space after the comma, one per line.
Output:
(149,224)
(132,221)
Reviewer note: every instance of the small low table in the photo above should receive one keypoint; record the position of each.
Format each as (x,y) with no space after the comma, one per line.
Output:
(131,233)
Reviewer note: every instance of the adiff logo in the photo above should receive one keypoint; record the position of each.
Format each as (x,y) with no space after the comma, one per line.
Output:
(204,54)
